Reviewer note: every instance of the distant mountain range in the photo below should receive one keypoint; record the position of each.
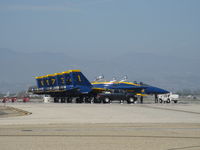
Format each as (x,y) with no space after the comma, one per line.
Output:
(164,70)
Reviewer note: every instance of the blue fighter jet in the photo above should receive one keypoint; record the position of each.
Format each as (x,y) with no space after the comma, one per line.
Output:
(130,87)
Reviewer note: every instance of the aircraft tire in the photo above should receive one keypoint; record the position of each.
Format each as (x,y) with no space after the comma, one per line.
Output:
(175,101)
(79,100)
(62,100)
(168,100)
(131,100)
(160,100)
(87,99)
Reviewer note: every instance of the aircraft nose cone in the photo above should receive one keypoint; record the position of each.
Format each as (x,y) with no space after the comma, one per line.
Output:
(155,90)
(162,91)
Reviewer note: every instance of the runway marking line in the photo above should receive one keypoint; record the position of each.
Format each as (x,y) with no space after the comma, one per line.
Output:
(117,136)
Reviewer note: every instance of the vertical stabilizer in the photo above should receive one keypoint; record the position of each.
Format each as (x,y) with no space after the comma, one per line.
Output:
(80,81)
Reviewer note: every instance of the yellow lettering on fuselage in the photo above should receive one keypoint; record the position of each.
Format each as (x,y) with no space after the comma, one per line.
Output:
(47,81)
(62,80)
(79,78)
(53,81)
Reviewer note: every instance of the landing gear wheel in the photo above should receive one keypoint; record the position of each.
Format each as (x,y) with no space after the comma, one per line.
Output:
(130,100)
(87,99)
(79,100)
(62,100)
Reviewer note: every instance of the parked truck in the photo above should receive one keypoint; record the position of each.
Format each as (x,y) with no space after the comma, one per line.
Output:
(168,98)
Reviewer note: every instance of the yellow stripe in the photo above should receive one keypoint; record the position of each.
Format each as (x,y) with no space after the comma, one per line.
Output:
(40,77)
(98,89)
(51,75)
(130,83)
(65,72)
(61,73)
(102,82)
(58,74)
(141,94)
(74,70)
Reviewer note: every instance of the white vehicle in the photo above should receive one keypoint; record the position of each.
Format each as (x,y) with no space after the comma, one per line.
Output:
(168,98)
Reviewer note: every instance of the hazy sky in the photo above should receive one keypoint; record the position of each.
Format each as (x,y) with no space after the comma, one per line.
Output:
(155,41)
(100,26)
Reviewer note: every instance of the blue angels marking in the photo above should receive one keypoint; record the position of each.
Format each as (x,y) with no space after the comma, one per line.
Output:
(74,81)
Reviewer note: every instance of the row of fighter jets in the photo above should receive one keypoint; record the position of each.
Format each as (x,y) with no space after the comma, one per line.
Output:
(73,83)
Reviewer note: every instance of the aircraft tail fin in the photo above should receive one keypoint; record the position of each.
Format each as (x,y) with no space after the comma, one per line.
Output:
(80,81)
(68,80)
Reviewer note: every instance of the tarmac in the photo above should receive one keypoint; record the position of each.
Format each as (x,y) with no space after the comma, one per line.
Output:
(100,126)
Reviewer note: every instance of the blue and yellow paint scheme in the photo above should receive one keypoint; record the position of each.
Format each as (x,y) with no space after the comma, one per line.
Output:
(128,86)
(73,82)
(69,82)
(137,88)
